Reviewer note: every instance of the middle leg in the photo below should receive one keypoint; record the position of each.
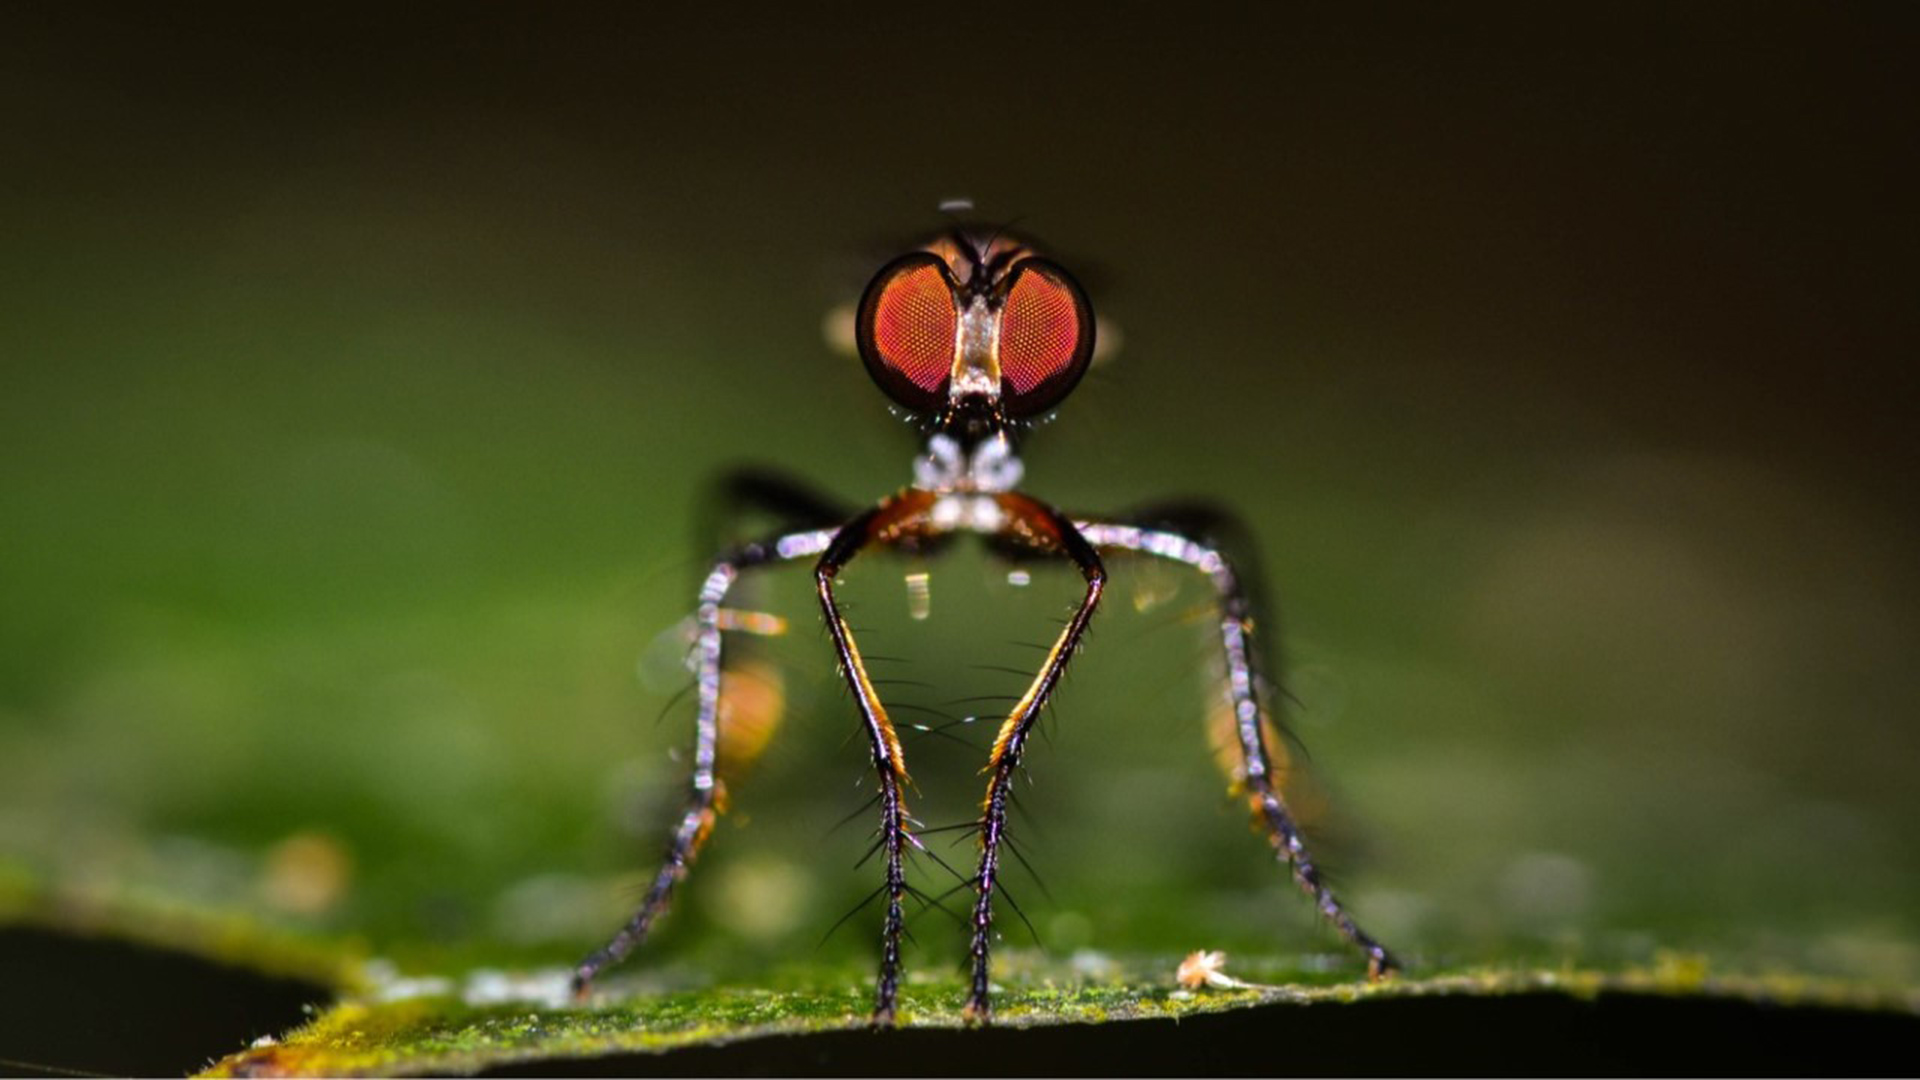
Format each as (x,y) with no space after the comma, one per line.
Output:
(1176,537)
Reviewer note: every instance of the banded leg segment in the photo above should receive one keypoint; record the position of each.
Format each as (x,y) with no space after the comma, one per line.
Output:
(1243,695)
(1036,526)
(707,796)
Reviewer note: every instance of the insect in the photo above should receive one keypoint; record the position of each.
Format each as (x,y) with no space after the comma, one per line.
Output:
(976,336)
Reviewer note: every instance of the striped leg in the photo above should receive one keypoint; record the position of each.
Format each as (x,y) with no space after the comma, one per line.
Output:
(707,797)
(1242,692)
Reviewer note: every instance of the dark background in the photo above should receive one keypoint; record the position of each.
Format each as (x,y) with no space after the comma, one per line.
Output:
(362,368)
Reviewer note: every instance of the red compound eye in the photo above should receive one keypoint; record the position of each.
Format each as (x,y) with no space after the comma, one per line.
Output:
(907,329)
(1046,337)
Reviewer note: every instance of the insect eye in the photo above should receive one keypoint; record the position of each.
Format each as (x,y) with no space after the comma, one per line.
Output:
(1046,337)
(907,330)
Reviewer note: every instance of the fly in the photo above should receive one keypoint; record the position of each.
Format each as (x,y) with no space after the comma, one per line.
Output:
(976,336)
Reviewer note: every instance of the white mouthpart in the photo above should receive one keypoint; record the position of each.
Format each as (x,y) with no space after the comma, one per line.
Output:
(992,467)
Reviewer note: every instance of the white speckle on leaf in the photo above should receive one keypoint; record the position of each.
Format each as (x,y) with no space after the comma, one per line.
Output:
(551,988)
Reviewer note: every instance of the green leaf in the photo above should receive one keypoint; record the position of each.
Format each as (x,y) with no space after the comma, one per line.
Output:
(1050,1019)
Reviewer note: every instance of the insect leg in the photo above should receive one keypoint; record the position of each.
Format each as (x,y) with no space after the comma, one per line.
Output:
(707,797)
(892,522)
(1028,524)
(749,503)
(1243,695)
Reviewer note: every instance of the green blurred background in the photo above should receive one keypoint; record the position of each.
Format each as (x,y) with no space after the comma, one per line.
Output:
(363,369)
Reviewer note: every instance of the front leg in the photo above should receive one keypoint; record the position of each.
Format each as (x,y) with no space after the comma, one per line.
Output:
(894,521)
(1255,775)
(1032,525)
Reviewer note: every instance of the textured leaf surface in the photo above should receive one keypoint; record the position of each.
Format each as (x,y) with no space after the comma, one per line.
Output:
(1075,1027)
